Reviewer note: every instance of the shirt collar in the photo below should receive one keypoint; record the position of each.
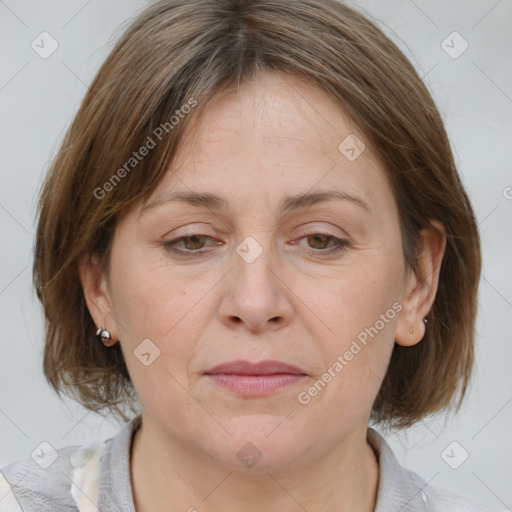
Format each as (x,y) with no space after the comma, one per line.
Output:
(398,489)
(115,490)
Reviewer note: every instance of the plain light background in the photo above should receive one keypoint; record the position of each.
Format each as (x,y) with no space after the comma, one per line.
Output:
(38,98)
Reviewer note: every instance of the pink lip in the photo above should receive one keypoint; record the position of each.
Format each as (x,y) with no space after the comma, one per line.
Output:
(255,379)
(268,367)
(254,385)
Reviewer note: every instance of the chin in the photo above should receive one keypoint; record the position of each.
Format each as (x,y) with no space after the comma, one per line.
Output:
(260,442)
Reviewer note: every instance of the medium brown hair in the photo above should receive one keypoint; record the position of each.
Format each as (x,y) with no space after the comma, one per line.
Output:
(178,50)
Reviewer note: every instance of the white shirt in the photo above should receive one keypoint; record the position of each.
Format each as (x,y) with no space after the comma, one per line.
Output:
(96,478)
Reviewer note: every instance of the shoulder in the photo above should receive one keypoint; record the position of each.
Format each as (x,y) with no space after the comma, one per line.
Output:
(56,480)
(444,500)
(404,490)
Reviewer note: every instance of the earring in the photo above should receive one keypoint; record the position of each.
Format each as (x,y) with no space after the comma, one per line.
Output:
(411,330)
(425,320)
(106,337)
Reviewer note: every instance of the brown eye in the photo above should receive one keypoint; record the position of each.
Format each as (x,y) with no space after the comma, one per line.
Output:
(318,241)
(189,244)
(195,242)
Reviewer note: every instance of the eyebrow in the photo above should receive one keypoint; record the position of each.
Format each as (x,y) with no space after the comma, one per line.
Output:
(215,202)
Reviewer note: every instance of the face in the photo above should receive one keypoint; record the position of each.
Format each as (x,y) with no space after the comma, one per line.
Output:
(319,284)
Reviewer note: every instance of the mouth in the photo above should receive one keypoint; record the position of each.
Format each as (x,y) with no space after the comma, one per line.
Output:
(255,379)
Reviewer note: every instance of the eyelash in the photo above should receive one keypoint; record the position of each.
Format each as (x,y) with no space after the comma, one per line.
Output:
(340,245)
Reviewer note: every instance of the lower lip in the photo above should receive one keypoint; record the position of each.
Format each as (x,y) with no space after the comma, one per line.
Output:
(255,385)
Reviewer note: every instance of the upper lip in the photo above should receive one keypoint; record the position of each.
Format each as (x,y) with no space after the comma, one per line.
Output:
(243,367)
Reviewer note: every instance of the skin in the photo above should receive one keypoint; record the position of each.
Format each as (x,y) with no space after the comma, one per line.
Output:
(276,136)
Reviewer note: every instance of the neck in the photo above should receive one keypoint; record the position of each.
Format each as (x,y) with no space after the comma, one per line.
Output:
(168,474)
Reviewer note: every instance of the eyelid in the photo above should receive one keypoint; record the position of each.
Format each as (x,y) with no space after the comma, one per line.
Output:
(314,230)
(303,231)
(340,245)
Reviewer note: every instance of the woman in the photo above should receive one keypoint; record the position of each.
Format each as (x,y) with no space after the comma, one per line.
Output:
(254,236)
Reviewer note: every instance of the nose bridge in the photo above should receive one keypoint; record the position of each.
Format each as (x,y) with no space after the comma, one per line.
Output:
(256,296)
(253,262)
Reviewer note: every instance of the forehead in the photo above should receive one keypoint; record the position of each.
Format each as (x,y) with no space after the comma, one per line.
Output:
(278,114)
(276,135)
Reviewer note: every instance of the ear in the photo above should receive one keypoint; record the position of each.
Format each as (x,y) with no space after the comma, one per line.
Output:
(96,293)
(420,290)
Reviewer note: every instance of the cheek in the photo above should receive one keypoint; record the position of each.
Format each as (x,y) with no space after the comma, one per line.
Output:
(354,298)
(148,300)
(153,306)
(358,312)
(155,303)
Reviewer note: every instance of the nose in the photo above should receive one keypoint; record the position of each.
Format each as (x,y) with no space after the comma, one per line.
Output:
(256,296)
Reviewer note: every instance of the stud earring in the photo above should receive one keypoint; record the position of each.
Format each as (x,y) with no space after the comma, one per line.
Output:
(411,330)
(106,337)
